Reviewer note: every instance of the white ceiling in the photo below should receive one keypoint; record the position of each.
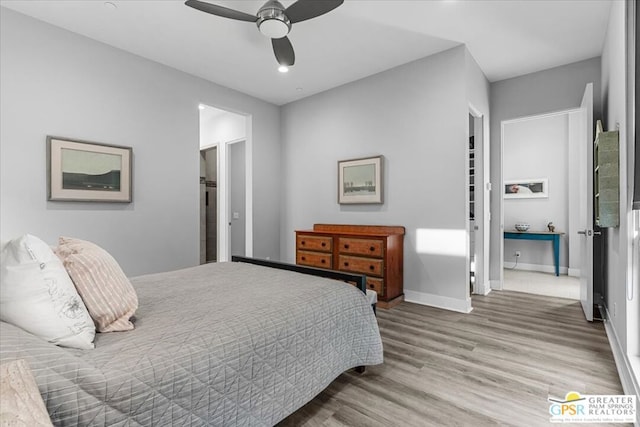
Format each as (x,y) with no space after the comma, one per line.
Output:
(507,38)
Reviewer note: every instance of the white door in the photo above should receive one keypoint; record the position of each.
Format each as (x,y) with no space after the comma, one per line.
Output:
(586,203)
(237,198)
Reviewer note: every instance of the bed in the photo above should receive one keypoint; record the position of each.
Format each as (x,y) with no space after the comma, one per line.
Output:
(229,343)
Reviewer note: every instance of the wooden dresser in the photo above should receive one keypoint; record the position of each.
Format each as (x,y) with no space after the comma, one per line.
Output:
(373,250)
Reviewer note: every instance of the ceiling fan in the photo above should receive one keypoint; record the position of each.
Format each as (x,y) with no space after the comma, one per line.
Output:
(274,21)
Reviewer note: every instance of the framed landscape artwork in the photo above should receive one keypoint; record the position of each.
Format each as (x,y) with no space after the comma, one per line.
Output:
(526,188)
(88,171)
(360,181)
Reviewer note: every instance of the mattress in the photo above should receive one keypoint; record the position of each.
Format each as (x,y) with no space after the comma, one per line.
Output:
(218,344)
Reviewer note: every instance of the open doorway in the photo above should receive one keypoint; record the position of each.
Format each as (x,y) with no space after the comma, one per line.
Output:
(209,205)
(226,225)
(540,202)
(478,204)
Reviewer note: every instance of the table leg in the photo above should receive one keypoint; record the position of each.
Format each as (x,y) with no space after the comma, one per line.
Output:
(556,253)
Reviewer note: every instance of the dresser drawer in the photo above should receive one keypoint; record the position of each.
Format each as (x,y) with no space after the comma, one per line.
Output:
(314,243)
(369,247)
(314,259)
(376,284)
(355,264)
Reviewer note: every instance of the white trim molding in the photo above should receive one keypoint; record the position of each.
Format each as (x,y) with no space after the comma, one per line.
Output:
(623,364)
(447,303)
(537,267)
(482,288)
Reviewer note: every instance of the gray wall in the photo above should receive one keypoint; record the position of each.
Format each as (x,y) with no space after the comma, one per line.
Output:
(54,82)
(545,91)
(618,239)
(416,116)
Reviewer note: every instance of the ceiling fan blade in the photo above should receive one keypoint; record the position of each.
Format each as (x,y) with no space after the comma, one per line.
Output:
(284,51)
(225,12)
(307,9)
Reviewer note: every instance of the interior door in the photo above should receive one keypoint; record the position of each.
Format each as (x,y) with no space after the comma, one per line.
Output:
(237,198)
(586,204)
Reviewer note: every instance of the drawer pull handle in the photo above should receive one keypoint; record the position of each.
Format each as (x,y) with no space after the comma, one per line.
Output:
(302,242)
(322,261)
(324,244)
(371,267)
(346,246)
(303,258)
(346,264)
(371,248)
(371,285)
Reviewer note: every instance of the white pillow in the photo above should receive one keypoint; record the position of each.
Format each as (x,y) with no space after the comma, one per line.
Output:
(37,295)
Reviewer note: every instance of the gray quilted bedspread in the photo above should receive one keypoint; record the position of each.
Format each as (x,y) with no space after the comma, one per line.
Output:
(220,344)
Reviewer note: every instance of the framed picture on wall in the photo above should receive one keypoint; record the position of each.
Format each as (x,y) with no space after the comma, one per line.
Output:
(526,188)
(360,181)
(88,171)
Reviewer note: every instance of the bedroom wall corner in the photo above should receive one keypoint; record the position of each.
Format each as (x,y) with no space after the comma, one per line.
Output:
(416,116)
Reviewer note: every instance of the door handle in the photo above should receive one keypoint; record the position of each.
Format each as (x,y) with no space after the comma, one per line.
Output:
(589,232)
(582,232)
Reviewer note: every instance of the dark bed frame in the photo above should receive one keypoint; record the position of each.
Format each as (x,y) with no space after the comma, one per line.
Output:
(360,280)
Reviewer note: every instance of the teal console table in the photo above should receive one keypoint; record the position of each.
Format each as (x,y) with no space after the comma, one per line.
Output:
(554,237)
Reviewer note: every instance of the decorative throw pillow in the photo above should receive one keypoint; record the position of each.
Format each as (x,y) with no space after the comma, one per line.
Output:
(22,403)
(37,295)
(103,286)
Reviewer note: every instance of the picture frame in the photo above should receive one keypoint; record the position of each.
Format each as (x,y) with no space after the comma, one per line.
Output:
(360,181)
(84,171)
(536,188)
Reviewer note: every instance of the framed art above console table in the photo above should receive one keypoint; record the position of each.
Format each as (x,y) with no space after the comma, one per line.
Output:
(373,250)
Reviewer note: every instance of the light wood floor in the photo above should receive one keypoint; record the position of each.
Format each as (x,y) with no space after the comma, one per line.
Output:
(496,365)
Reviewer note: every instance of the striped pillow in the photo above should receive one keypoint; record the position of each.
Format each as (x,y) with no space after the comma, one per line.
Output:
(101,283)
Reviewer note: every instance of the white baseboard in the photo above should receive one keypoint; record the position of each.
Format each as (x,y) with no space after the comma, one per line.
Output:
(535,267)
(453,304)
(625,371)
(495,284)
(482,288)
(574,272)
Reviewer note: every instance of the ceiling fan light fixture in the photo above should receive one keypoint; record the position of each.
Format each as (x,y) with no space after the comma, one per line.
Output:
(274,28)
(272,21)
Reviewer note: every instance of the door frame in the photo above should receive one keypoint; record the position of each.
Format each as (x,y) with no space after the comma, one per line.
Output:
(482,192)
(224,217)
(499,284)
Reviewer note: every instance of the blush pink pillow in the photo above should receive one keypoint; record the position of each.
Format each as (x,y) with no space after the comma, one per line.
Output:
(101,283)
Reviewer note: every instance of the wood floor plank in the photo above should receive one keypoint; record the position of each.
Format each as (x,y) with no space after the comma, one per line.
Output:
(494,366)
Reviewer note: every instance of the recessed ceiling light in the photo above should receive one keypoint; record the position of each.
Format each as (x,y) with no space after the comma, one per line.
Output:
(283,69)
(109,5)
